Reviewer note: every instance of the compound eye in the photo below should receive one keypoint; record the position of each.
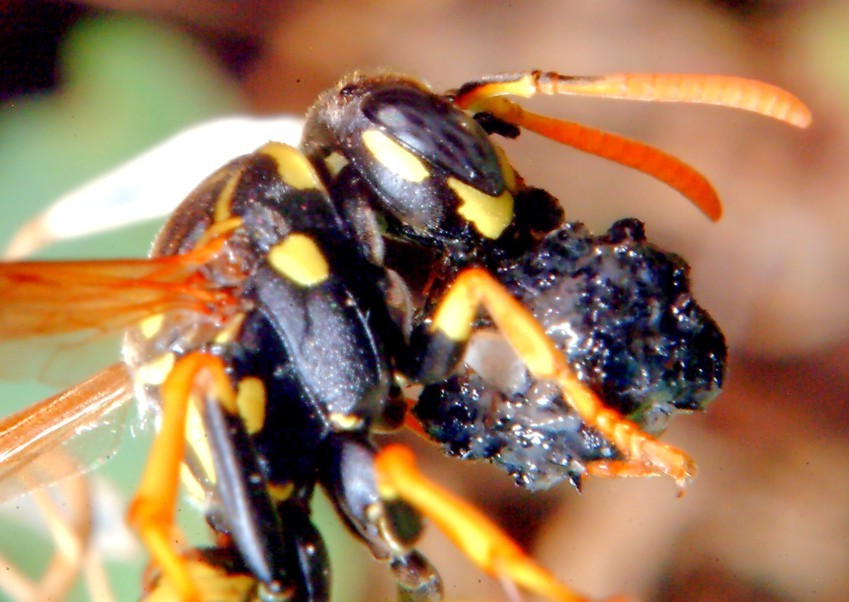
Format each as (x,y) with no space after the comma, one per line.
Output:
(436,132)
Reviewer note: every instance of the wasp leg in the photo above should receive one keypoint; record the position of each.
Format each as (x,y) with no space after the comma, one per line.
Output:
(307,556)
(152,511)
(441,341)
(275,537)
(616,469)
(67,517)
(472,532)
(71,534)
(220,575)
(388,527)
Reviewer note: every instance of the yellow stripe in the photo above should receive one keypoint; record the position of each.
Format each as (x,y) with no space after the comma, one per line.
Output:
(225,198)
(395,157)
(196,439)
(489,214)
(300,260)
(292,166)
(251,401)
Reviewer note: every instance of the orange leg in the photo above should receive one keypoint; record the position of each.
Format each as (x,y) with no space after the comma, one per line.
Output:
(617,469)
(197,375)
(454,317)
(473,533)
(415,426)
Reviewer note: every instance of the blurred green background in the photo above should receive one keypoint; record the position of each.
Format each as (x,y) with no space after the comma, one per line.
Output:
(86,86)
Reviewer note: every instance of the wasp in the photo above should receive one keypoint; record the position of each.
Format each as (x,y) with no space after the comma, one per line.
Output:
(290,301)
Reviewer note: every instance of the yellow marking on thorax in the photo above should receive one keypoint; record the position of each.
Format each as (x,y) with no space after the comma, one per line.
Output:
(299,259)
(218,229)
(292,166)
(251,401)
(490,215)
(335,162)
(224,202)
(395,157)
(155,371)
(150,326)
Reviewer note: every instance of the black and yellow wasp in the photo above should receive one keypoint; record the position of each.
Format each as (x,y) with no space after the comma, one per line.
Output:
(293,296)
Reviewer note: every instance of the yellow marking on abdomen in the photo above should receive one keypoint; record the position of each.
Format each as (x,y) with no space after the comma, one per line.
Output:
(251,401)
(292,166)
(489,214)
(394,157)
(299,259)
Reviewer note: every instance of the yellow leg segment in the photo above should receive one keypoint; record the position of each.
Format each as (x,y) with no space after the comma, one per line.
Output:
(473,533)
(197,375)
(475,288)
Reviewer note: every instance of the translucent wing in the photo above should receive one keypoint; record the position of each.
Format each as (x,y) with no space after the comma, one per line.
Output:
(53,297)
(45,302)
(151,185)
(50,307)
(88,417)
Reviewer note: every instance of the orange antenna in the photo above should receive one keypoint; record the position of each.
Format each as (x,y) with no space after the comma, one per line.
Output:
(721,90)
(628,152)
(764,99)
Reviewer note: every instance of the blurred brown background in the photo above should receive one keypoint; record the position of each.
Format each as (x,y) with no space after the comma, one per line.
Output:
(768,517)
